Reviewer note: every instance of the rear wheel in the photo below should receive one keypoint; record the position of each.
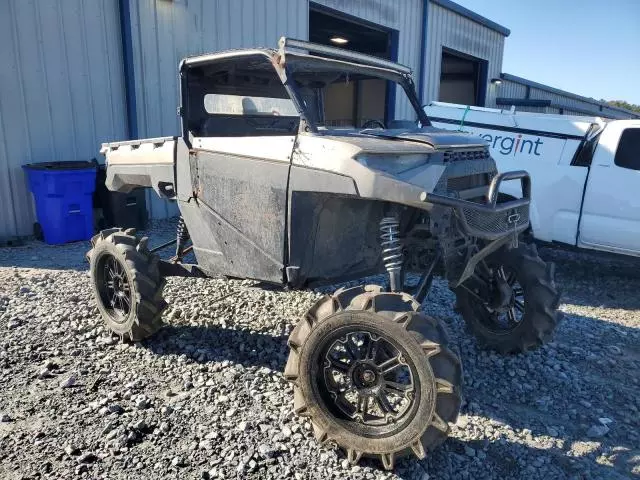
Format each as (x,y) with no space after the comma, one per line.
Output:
(374,375)
(510,303)
(127,284)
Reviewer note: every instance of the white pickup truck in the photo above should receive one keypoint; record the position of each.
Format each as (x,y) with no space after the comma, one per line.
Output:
(585,171)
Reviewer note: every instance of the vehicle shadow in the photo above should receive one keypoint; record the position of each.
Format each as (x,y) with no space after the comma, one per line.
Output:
(71,256)
(205,344)
(504,459)
(587,377)
(38,255)
(529,414)
(596,279)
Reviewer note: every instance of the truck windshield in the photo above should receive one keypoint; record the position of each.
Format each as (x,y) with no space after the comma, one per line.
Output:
(343,99)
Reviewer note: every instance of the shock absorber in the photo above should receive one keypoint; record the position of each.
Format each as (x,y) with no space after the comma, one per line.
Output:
(182,236)
(392,256)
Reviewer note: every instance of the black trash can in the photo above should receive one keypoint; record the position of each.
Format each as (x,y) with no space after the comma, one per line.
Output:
(116,209)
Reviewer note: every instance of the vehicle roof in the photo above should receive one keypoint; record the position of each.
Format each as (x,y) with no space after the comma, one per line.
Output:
(303,57)
(300,61)
(230,53)
(298,52)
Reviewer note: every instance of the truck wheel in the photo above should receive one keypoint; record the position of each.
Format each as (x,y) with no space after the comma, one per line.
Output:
(374,375)
(126,283)
(510,303)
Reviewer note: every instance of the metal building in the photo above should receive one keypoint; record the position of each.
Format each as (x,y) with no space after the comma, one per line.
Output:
(531,96)
(464,53)
(80,72)
(61,92)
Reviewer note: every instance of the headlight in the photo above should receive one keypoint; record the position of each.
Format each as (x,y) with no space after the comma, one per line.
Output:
(393,164)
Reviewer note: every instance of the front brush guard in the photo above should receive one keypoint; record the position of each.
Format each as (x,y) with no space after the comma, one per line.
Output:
(491,220)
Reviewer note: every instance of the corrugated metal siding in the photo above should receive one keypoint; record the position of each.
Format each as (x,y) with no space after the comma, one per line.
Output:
(404,16)
(562,100)
(164,32)
(581,107)
(568,112)
(570,105)
(509,89)
(540,109)
(61,92)
(613,113)
(448,29)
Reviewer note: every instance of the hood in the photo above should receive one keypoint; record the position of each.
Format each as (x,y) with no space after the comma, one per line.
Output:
(434,137)
(406,140)
(356,142)
(348,144)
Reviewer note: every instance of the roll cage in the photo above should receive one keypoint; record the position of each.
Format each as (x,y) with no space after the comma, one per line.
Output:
(295,56)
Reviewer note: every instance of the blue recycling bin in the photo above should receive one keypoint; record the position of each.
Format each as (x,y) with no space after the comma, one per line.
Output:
(63,192)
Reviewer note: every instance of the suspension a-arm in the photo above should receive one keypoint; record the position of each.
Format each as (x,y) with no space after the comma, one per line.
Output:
(478,257)
(424,285)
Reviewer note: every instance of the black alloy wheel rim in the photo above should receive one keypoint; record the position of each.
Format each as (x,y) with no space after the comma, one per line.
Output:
(114,287)
(506,306)
(367,381)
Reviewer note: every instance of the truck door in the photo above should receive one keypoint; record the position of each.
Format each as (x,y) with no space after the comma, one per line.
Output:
(611,210)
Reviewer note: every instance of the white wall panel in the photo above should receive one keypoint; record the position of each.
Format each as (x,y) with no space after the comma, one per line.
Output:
(61,92)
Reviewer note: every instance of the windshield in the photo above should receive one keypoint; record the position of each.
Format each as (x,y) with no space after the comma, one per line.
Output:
(340,98)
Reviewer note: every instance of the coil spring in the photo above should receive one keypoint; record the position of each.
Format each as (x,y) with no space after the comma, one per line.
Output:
(391,246)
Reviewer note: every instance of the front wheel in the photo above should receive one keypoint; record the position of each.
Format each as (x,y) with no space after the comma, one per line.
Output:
(374,375)
(511,301)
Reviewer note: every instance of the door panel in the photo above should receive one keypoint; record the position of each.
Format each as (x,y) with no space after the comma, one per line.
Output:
(611,212)
(244,198)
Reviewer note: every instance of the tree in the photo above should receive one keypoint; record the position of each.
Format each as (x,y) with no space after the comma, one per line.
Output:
(623,104)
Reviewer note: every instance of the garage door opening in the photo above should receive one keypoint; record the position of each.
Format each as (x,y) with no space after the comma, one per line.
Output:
(352,104)
(463,79)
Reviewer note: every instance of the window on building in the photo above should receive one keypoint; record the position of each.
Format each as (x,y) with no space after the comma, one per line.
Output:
(628,154)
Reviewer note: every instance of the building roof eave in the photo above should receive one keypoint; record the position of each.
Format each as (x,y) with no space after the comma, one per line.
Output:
(471,15)
(564,93)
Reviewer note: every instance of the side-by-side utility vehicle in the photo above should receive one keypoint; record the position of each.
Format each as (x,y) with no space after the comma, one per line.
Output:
(292,169)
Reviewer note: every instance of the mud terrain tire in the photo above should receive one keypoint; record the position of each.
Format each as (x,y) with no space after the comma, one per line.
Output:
(127,284)
(390,320)
(541,298)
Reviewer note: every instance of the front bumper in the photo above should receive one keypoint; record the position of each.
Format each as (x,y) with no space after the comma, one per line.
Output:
(491,220)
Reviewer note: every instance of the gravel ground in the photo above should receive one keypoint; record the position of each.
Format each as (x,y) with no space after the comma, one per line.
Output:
(205,398)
